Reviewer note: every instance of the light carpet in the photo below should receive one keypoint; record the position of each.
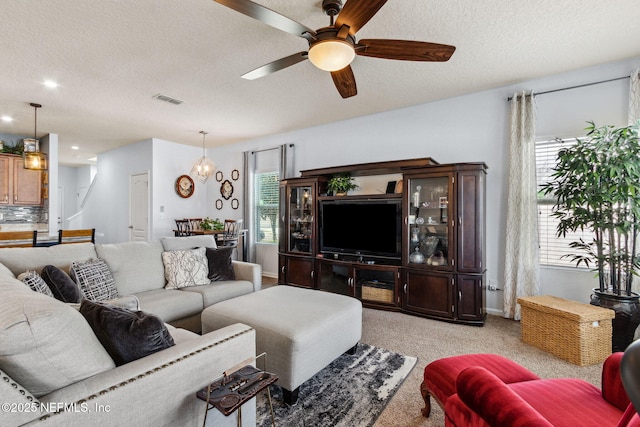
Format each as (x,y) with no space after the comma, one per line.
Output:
(352,391)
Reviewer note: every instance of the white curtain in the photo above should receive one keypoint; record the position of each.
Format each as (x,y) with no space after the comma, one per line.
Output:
(634,97)
(522,272)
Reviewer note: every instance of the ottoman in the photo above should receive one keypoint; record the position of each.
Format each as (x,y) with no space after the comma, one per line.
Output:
(440,376)
(301,330)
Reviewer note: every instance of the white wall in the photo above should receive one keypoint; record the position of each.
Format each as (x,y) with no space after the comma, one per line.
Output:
(469,128)
(107,208)
(170,160)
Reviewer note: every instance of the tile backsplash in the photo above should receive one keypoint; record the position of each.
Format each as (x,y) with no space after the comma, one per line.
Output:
(23,215)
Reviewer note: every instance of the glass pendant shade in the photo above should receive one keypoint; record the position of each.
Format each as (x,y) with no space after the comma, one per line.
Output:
(331,55)
(204,167)
(35,160)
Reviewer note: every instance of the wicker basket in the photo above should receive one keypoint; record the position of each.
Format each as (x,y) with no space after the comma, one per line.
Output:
(377,292)
(579,333)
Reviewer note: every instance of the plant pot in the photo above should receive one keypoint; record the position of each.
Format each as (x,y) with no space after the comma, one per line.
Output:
(627,316)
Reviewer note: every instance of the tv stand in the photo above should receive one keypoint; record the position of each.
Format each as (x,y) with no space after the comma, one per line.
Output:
(441,271)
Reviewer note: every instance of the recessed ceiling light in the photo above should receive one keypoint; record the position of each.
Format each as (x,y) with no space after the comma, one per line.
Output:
(93,159)
(6,119)
(75,147)
(50,83)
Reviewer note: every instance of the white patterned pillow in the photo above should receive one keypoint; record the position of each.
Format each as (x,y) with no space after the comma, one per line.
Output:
(185,268)
(94,279)
(35,282)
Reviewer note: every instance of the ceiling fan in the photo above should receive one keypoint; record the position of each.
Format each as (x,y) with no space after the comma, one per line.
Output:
(333,48)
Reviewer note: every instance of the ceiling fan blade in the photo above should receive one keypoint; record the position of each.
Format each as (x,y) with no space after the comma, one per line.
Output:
(356,13)
(345,82)
(274,66)
(405,50)
(268,16)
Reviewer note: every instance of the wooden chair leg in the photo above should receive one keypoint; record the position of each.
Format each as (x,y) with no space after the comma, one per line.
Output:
(426,396)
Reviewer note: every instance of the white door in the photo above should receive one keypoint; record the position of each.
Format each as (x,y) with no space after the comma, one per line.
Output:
(139,207)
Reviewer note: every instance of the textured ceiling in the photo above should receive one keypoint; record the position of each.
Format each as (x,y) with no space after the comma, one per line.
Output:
(111,57)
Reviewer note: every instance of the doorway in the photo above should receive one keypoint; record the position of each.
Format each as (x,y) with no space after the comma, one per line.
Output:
(139,207)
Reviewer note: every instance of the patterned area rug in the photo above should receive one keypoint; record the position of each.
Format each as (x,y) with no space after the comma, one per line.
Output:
(351,392)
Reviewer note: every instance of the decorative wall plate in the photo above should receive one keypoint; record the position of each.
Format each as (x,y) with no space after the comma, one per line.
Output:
(235,174)
(226,189)
(219,176)
(184,186)
(219,204)
(235,203)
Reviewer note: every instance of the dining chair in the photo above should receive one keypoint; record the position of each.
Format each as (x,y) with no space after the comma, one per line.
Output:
(195,223)
(231,233)
(183,228)
(77,236)
(18,239)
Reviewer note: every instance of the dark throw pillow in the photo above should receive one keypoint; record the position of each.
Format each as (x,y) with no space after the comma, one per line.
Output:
(62,286)
(220,265)
(126,335)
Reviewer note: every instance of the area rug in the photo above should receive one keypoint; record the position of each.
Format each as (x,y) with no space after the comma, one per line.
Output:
(351,392)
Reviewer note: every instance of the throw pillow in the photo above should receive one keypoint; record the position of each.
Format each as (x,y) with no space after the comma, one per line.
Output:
(127,335)
(35,282)
(61,285)
(220,264)
(94,279)
(185,268)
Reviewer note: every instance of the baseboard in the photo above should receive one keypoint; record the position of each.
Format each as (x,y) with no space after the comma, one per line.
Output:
(270,275)
(495,312)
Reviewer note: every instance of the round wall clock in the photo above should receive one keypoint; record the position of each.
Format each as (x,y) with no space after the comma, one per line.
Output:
(184,186)
(226,189)
(235,174)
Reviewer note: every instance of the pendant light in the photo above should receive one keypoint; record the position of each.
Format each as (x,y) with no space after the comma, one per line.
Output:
(204,167)
(35,160)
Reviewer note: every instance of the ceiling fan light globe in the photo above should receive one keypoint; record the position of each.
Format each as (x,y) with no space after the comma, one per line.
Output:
(331,55)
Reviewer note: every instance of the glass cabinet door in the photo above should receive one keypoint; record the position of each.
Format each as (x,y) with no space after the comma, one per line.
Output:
(300,220)
(429,231)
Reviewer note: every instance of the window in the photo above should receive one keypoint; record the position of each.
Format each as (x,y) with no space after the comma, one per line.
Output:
(552,248)
(266,204)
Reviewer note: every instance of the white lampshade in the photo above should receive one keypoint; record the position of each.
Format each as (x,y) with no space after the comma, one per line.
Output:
(331,55)
(203,169)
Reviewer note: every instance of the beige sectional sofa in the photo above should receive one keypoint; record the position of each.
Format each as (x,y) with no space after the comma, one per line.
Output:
(54,371)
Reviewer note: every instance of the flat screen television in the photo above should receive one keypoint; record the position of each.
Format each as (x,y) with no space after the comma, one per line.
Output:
(370,228)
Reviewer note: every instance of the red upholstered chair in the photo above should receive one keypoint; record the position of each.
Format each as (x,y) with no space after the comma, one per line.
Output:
(483,399)
(440,375)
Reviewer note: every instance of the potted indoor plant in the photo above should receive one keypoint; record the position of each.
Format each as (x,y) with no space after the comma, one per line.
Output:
(340,184)
(596,186)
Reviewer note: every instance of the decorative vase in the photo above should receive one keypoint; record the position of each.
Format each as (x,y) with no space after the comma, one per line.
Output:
(416,257)
(627,316)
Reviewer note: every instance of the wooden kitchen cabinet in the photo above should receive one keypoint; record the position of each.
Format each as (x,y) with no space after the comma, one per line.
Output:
(19,186)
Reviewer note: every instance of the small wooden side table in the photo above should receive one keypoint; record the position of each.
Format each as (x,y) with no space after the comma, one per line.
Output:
(235,388)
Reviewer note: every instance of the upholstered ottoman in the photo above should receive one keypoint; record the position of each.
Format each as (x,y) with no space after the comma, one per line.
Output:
(301,330)
(440,375)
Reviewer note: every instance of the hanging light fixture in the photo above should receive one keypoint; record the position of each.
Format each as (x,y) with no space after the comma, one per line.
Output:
(204,167)
(35,160)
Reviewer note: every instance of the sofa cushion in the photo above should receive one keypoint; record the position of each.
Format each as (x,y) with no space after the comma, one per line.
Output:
(169,304)
(188,242)
(185,268)
(94,279)
(135,266)
(44,344)
(220,263)
(35,282)
(19,260)
(127,335)
(221,291)
(62,286)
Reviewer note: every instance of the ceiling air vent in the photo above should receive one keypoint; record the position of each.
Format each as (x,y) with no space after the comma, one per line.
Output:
(168,99)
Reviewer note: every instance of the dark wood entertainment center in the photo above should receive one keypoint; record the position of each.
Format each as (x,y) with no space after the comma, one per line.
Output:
(439,271)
